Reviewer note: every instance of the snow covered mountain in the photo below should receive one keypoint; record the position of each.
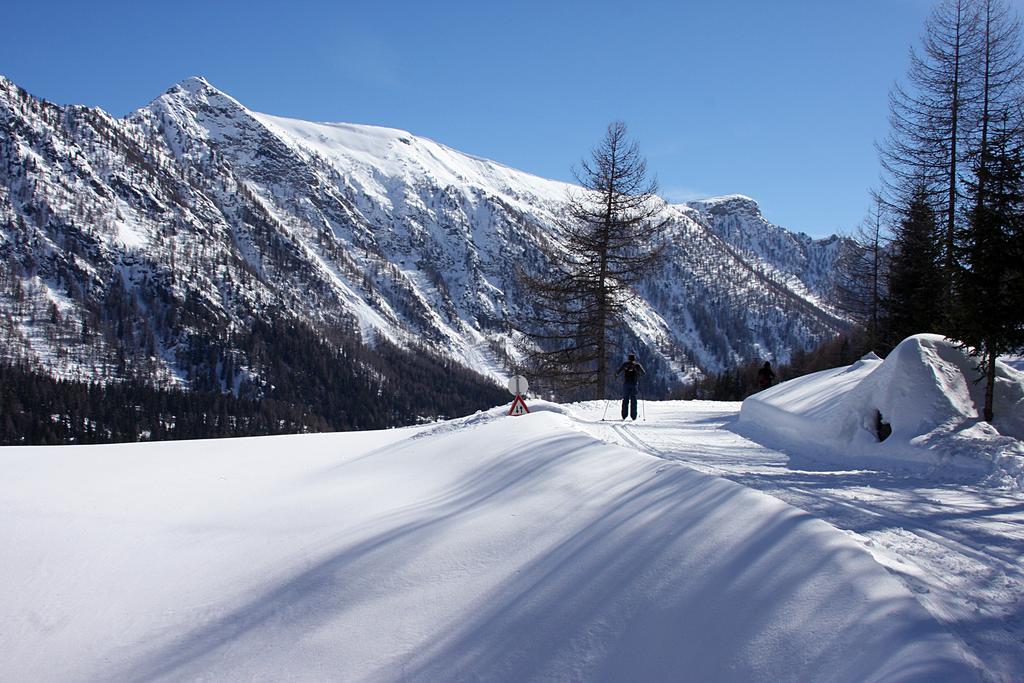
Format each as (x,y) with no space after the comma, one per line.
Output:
(164,244)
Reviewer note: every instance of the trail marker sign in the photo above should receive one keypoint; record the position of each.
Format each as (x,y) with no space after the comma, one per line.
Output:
(518,407)
(517,386)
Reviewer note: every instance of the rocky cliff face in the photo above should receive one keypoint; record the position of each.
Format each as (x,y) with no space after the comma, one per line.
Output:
(155,246)
(804,263)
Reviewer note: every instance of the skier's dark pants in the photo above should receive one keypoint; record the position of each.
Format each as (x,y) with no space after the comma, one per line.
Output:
(629,400)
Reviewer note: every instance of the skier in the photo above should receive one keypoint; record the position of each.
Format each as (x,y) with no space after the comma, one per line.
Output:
(765,376)
(631,371)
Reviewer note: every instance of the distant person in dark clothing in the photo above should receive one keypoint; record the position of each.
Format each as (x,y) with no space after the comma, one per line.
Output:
(765,376)
(630,371)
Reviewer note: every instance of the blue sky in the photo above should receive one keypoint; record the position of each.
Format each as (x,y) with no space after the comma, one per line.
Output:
(777,99)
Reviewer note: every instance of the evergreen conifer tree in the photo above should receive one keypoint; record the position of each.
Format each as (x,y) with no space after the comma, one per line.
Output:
(916,279)
(990,315)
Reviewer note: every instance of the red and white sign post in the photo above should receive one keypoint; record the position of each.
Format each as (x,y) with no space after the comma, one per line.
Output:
(517,386)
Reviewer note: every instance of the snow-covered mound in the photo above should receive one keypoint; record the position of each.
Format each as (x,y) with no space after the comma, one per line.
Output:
(488,548)
(926,392)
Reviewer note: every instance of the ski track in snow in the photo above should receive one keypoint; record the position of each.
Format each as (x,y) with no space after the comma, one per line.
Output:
(480,548)
(959,548)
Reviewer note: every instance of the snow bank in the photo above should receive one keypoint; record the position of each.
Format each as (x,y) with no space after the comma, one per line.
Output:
(925,391)
(487,549)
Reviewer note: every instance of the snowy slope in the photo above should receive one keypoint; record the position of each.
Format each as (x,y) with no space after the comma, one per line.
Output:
(957,545)
(489,548)
(197,202)
(383,158)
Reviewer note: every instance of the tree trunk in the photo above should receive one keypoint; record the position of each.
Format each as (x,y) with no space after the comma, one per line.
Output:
(602,356)
(990,384)
(950,260)
(602,284)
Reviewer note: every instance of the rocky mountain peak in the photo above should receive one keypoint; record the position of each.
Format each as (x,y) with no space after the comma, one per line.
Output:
(732,203)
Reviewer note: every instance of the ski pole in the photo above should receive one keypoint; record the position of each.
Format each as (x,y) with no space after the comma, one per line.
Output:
(643,406)
(605,410)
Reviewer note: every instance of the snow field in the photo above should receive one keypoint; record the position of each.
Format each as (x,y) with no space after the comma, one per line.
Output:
(958,547)
(487,548)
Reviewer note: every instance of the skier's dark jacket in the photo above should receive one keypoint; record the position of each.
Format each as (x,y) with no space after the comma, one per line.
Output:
(631,371)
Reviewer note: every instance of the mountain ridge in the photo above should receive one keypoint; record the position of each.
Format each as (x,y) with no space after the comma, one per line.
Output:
(197,203)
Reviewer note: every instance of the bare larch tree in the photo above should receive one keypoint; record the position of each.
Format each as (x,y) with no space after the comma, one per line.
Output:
(612,235)
(928,144)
